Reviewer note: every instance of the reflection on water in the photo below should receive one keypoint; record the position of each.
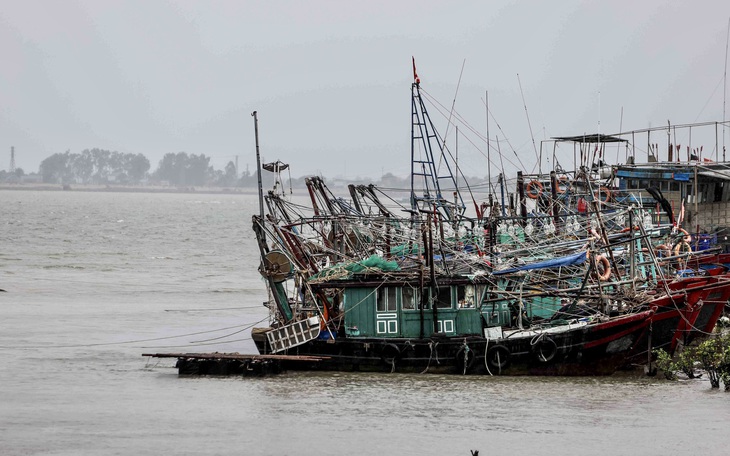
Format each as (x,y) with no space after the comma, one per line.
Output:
(96,279)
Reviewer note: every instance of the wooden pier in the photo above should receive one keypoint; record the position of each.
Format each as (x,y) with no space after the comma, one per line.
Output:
(233,363)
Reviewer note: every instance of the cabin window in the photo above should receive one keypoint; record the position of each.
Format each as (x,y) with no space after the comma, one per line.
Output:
(386,299)
(632,184)
(674,186)
(461,296)
(443,298)
(410,298)
(465,296)
(718,192)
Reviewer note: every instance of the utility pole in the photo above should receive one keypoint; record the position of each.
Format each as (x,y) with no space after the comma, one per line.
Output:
(12,160)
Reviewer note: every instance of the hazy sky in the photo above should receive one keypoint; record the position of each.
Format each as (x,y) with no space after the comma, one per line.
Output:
(331,79)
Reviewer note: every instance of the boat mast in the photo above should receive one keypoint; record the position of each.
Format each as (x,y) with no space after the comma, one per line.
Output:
(489,159)
(424,165)
(724,91)
(258,165)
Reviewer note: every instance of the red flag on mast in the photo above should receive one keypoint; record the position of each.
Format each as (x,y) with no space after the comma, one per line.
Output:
(415,76)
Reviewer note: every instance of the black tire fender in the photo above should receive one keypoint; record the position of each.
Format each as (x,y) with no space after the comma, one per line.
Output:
(545,350)
(464,358)
(498,356)
(390,353)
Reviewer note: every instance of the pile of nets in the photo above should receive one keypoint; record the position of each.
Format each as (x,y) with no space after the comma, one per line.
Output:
(345,270)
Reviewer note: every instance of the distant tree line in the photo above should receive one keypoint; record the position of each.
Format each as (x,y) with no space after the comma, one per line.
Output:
(6,176)
(94,166)
(100,167)
(104,167)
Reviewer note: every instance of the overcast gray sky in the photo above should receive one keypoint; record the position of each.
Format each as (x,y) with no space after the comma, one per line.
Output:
(331,79)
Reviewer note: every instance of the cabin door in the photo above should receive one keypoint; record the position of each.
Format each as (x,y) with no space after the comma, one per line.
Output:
(446,323)
(386,313)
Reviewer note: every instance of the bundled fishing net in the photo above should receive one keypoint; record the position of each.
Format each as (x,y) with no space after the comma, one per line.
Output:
(345,270)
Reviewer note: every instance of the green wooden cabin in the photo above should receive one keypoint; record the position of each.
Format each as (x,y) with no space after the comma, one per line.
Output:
(461,310)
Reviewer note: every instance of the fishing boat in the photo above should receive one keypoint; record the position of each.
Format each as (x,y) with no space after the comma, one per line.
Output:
(683,270)
(408,322)
(362,288)
(580,274)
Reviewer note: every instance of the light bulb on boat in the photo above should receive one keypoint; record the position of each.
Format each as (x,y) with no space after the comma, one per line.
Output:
(529,228)
(647,222)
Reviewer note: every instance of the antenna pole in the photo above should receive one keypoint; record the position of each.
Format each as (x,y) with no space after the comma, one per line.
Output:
(724,91)
(529,125)
(489,160)
(12,160)
(258,166)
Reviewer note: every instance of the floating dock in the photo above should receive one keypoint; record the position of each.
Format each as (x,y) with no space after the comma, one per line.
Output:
(233,363)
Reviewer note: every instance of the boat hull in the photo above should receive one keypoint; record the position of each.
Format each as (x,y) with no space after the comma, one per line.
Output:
(689,314)
(580,349)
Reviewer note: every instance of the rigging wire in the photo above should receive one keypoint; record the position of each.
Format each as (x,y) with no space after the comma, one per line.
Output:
(135,341)
(524,103)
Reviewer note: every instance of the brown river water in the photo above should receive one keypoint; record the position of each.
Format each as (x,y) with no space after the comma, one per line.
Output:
(94,280)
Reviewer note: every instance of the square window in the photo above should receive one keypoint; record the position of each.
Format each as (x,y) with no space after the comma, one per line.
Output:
(410,298)
(443,297)
(465,296)
(386,300)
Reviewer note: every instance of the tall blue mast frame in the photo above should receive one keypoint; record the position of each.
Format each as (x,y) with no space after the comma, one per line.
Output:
(423,133)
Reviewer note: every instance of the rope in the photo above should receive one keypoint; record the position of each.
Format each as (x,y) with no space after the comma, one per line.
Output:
(102,344)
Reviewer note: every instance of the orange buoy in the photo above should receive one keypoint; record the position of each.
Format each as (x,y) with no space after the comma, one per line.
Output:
(687,238)
(534,189)
(563,184)
(682,247)
(606,192)
(606,268)
(604,263)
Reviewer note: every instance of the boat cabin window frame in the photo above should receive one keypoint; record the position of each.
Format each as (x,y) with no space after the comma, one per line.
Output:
(467,296)
(386,299)
(412,302)
(440,299)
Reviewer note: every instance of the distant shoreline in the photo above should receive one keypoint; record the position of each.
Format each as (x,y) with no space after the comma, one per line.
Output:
(128,189)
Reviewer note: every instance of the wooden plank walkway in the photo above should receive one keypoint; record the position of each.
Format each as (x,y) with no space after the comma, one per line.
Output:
(233,363)
(236,356)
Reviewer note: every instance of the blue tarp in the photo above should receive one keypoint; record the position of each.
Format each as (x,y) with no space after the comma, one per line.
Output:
(570,260)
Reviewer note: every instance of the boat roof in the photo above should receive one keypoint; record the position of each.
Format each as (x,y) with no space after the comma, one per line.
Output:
(675,171)
(592,138)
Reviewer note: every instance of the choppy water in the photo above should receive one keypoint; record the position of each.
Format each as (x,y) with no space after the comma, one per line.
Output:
(94,280)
